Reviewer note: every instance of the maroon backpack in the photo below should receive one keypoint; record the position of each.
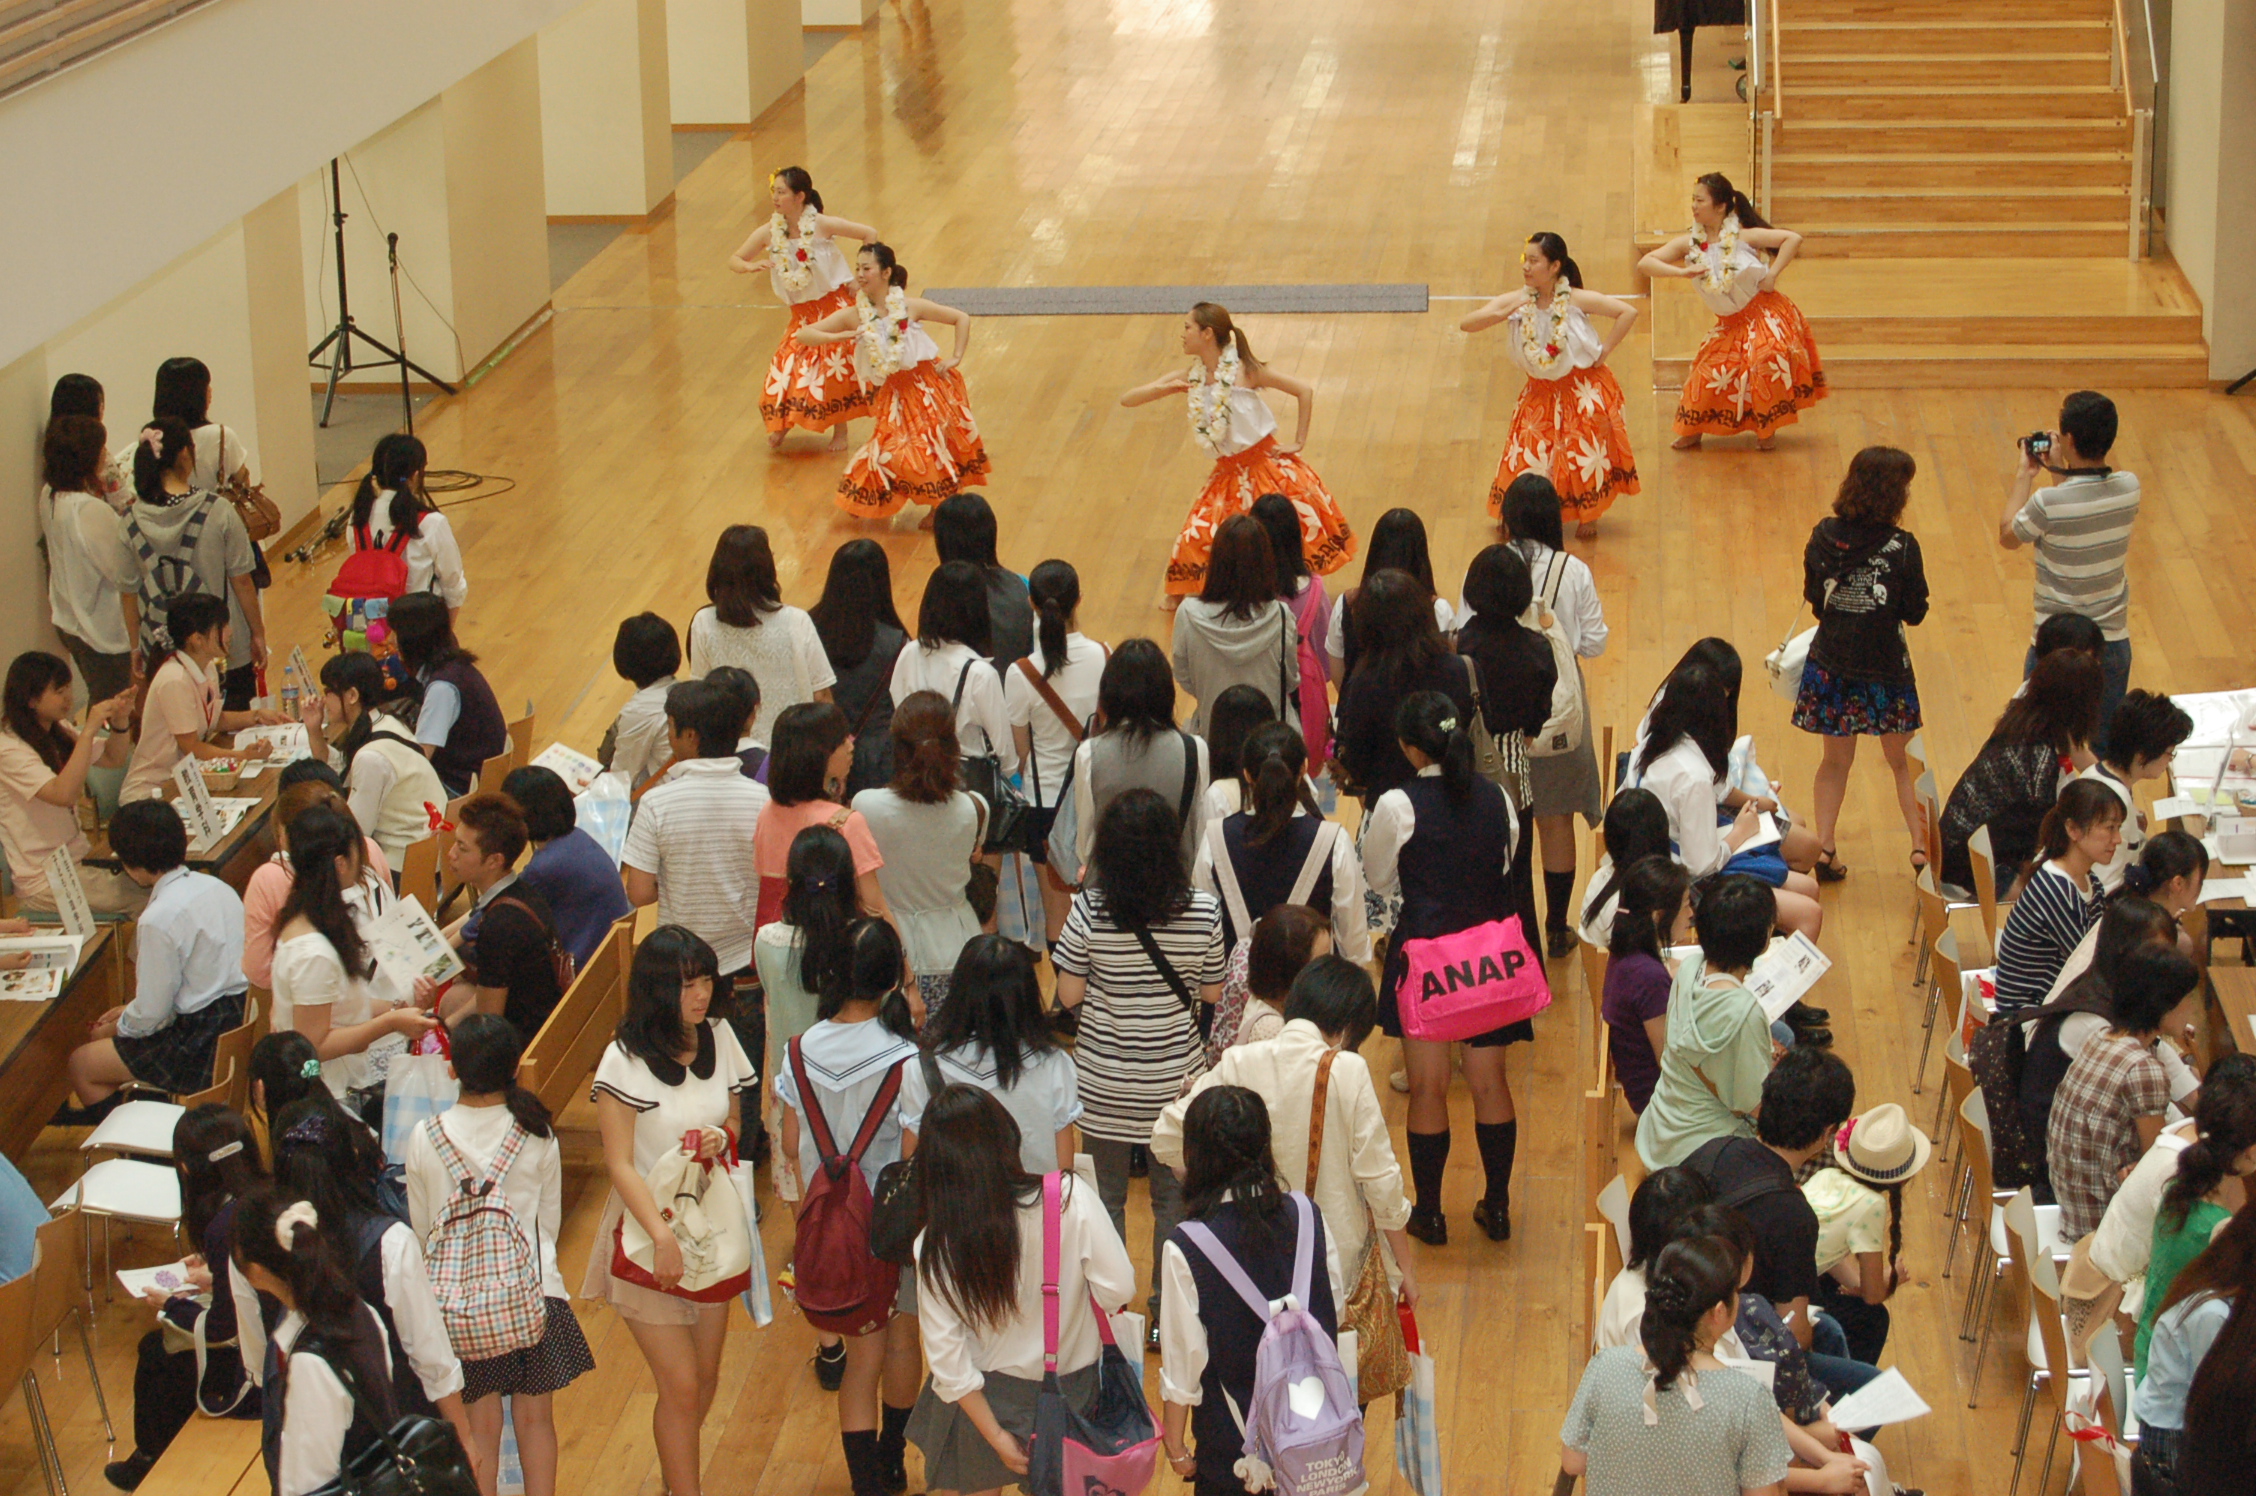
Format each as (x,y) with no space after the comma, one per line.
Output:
(841,1285)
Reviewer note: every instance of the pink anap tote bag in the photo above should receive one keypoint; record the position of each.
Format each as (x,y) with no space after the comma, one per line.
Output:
(1457,986)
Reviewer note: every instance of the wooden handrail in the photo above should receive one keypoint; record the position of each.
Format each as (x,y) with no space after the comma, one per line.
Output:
(1778,64)
(2119,61)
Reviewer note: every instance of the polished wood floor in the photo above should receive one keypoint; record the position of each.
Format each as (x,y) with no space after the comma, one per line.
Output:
(1173,141)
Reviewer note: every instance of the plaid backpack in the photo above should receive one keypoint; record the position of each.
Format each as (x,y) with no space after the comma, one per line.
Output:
(483,1269)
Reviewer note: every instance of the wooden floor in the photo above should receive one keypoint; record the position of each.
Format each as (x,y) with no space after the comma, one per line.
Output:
(1173,141)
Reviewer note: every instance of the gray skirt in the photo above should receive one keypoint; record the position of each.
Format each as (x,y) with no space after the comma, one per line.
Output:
(1566,784)
(957,1456)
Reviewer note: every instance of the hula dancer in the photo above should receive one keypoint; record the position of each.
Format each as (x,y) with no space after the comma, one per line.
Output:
(1233,424)
(926,446)
(798,248)
(1758,367)
(1568,425)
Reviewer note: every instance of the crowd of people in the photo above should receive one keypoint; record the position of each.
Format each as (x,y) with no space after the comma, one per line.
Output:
(825,805)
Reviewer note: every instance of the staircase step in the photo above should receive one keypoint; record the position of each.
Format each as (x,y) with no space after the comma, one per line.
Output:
(2035,240)
(1850,172)
(1956,102)
(2007,365)
(1811,210)
(1950,12)
(1927,136)
(1924,38)
(1859,68)
(1880,329)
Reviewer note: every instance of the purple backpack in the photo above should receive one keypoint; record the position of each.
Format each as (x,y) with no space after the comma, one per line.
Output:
(1303,1431)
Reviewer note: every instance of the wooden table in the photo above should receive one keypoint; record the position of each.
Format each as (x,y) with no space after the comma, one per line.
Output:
(36,1040)
(239,852)
(2235,987)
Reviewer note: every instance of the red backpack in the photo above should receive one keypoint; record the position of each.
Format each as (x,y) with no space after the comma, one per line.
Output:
(841,1285)
(360,599)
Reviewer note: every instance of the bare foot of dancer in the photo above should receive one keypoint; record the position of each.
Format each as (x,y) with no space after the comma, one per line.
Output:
(837,438)
(1587,530)
(1765,443)
(775,441)
(1685,443)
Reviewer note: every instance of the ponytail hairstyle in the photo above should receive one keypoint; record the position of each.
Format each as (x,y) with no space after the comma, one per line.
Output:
(1636,827)
(2218,1441)
(796,179)
(820,900)
(1554,249)
(1275,514)
(1662,1200)
(1733,202)
(1274,761)
(183,392)
(280,1230)
(2225,1124)
(2083,803)
(284,1068)
(318,838)
(1653,891)
(1226,1152)
(927,765)
(1215,318)
(2167,856)
(218,1158)
(1428,721)
(351,670)
(869,971)
(1054,588)
(971,1186)
(391,469)
(324,1154)
(896,273)
(155,451)
(1685,1281)
(487,1049)
(2130,922)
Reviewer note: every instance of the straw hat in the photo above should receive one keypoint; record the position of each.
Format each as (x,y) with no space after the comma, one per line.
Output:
(1882,1147)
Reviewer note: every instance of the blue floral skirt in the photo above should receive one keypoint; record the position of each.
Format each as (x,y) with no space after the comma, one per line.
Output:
(1840,708)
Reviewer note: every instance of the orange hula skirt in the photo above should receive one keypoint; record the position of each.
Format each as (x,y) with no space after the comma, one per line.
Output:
(1572,431)
(812,387)
(1756,370)
(926,446)
(1237,481)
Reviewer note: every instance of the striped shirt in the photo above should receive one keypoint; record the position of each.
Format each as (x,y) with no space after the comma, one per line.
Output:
(693,833)
(2046,924)
(2081,528)
(1138,1039)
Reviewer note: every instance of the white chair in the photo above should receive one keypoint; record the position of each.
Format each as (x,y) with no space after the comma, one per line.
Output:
(125,1189)
(142,1129)
(2034,1246)
(2109,1395)
(1613,1204)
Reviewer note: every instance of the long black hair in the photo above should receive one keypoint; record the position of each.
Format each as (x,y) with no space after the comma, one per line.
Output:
(1136,693)
(218,1158)
(1138,860)
(869,971)
(1281,519)
(2225,1127)
(857,596)
(1226,1152)
(487,1050)
(1653,891)
(971,1185)
(318,839)
(152,461)
(32,675)
(1054,588)
(1693,705)
(426,633)
(1554,248)
(325,1155)
(820,900)
(1530,513)
(1274,763)
(182,391)
(1429,722)
(667,959)
(1636,827)
(1663,1198)
(1391,618)
(954,609)
(284,1067)
(311,1263)
(1398,543)
(351,670)
(1685,1281)
(1232,717)
(994,1004)
(392,468)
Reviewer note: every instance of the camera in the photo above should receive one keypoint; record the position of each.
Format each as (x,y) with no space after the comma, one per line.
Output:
(2038,444)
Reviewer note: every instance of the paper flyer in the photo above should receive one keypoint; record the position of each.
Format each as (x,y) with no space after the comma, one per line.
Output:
(575,768)
(407,944)
(172,1278)
(47,962)
(1787,970)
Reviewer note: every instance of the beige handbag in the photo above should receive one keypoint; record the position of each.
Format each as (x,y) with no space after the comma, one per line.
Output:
(1382,1358)
(260,514)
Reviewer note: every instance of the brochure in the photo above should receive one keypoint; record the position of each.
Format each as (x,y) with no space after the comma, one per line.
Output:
(1787,970)
(1886,1399)
(407,944)
(575,768)
(47,962)
(172,1278)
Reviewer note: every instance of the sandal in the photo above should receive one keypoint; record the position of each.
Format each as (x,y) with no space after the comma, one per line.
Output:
(1828,868)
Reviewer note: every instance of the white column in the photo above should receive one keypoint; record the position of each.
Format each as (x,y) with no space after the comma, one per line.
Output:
(730,59)
(606,112)
(2212,171)
(836,15)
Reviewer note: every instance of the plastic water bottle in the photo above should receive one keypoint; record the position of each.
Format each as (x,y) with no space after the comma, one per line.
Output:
(290,693)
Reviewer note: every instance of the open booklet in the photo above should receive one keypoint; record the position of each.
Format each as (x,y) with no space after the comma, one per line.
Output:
(575,768)
(1785,972)
(407,944)
(47,970)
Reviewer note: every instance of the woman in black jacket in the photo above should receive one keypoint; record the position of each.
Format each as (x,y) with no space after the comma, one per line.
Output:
(1863,576)
(1516,677)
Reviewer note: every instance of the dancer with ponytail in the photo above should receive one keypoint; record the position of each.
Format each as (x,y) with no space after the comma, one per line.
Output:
(1051,699)
(926,446)
(1444,842)
(1232,424)
(798,249)
(1651,1418)
(1758,367)
(498,1128)
(1568,424)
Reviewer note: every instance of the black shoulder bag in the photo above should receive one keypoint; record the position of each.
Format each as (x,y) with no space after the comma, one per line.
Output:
(1009,828)
(896,1209)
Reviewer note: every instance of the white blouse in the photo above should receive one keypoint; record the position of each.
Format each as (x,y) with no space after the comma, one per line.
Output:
(1578,609)
(1681,779)
(88,565)
(1739,278)
(1579,339)
(1075,684)
(665,1109)
(534,1186)
(1394,822)
(317,1414)
(1250,420)
(916,347)
(407,1295)
(784,654)
(830,269)
(982,720)
(433,555)
(309,973)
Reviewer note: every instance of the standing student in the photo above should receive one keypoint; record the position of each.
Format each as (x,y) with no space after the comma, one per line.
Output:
(1280,849)
(2041,740)
(1230,721)
(1402,655)
(1237,631)
(2111,1103)
(2142,739)
(995,1036)
(798,248)
(1655,914)
(953,634)
(861,1037)
(1208,1334)
(795,952)
(928,828)
(1568,424)
(82,395)
(186,538)
(2061,896)
(1137,746)
(188,967)
(1398,543)
(1050,697)
(673,1068)
(806,787)
(43,766)
(390,782)
(746,623)
(1260,975)
(569,869)
(88,564)
(391,510)
(647,654)
(1311,608)
(981,1286)
(1442,843)
(508,939)
(1718,1044)
(452,1155)
(963,529)
(185,707)
(2192,1405)
(1517,678)
(1139,953)
(461,724)
(745,691)
(319,1426)
(862,637)
(1863,574)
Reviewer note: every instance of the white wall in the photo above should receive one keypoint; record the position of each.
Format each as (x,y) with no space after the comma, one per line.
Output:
(2212,170)
(731,59)
(606,111)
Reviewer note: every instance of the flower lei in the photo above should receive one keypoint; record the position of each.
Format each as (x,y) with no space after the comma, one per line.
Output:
(1715,266)
(792,261)
(881,335)
(1548,350)
(1210,401)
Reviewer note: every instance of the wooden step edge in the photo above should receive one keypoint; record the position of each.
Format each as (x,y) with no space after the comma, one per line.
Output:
(2028,353)
(1817,233)
(2089,158)
(1949,90)
(1787,28)
(1855,194)
(2054,123)
(1897,59)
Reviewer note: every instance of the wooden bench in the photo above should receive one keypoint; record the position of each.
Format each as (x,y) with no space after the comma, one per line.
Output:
(564,1053)
(211,1457)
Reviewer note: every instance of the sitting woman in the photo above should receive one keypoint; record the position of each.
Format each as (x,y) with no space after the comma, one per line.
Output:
(461,724)
(2210,1185)
(2111,1103)
(1859,1205)
(44,762)
(2192,1405)
(2141,740)
(2061,898)
(1655,914)
(569,869)
(182,715)
(2122,1247)
(1636,827)
(389,781)
(2040,739)
(300,787)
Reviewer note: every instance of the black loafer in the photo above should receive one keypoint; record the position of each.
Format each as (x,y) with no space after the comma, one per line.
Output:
(1495,1218)
(128,1473)
(1428,1226)
(1561,940)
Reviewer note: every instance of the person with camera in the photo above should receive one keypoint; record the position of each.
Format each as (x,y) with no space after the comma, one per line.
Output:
(2081,529)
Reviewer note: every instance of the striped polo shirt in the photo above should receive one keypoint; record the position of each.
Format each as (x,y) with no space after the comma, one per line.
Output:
(2081,528)
(693,833)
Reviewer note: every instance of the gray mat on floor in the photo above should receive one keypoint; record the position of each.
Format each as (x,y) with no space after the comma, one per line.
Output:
(1117,301)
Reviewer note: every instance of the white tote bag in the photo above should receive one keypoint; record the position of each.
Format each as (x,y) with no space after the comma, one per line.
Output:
(708,1220)
(758,1296)
(1785,664)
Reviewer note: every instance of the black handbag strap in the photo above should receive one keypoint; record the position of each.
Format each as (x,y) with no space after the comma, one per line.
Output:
(1175,981)
(1190,778)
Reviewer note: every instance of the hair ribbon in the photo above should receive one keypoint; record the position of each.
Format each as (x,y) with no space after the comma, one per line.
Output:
(299,1213)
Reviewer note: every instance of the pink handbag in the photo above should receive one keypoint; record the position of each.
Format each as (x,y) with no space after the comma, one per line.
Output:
(1463,984)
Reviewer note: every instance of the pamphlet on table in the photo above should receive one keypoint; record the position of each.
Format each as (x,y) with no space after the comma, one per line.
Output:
(46,967)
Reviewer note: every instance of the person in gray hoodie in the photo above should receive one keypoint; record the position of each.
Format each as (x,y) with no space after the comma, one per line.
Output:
(185,539)
(1237,631)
